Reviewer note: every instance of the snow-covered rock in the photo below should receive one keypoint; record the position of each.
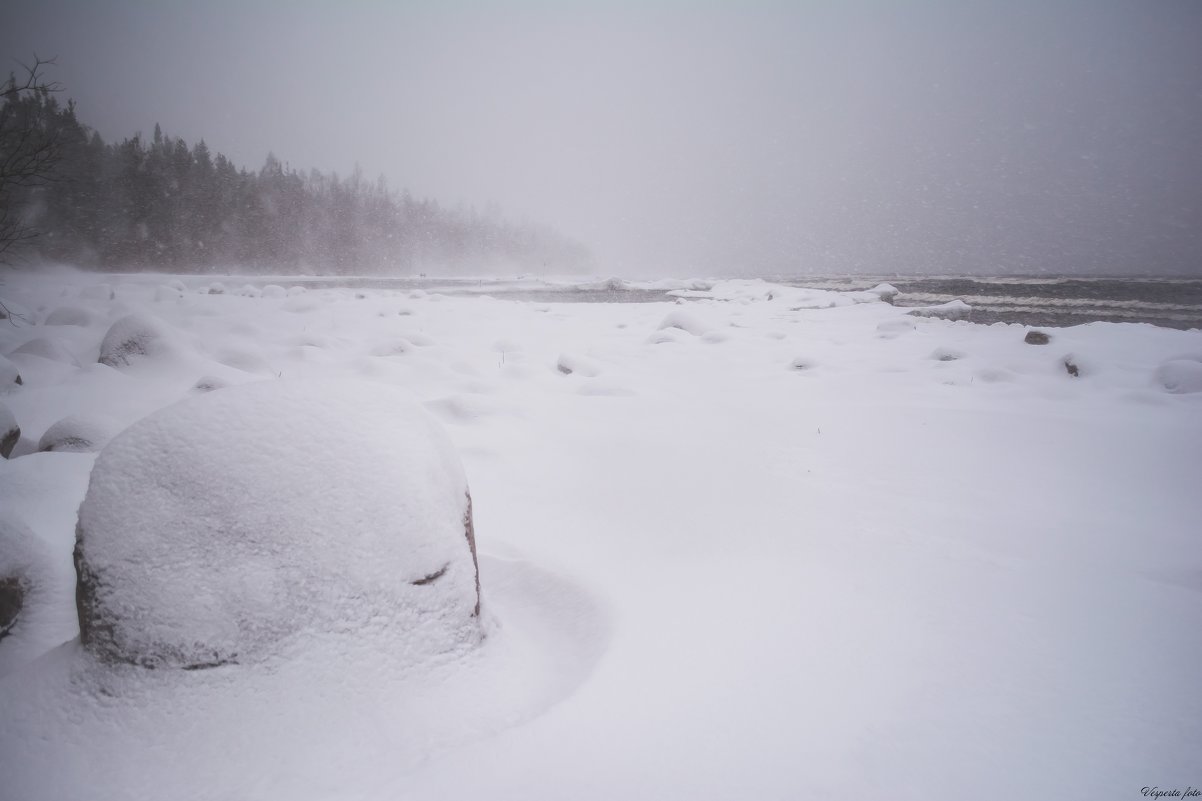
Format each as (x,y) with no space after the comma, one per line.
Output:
(464,409)
(10,432)
(24,576)
(247,358)
(274,291)
(1180,376)
(395,346)
(665,335)
(952,310)
(244,524)
(209,383)
(10,375)
(419,339)
(47,348)
(685,322)
(886,292)
(134,338)
(507,346)
(78,433)
(570,363)
(802,363)
(945,354)
(895,327)
(613,284)
(394,311)
(166,293)
(1034,337)
(69,315)
(216,288)
(301,303)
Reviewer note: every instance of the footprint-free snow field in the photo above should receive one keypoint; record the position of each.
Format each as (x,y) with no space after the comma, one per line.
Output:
(752,541)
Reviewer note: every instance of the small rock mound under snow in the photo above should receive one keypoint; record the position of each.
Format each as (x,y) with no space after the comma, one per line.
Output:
(886,292)
(77,434)
(685,322)
(166,293)
(570,363)
(209,383)
(1180,376)
(952,310)
(69,315)
(254,522)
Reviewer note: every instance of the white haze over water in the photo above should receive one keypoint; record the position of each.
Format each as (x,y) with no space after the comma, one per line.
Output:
(687,138)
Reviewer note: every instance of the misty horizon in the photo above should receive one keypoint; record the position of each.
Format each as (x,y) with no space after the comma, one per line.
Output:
(680,139)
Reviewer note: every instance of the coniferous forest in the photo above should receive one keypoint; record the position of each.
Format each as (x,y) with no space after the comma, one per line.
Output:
(161,204)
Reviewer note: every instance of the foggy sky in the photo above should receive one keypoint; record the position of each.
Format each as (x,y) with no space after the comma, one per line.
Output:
(697,138)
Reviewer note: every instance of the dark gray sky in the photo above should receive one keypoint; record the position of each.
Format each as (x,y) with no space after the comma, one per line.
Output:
(1021,136)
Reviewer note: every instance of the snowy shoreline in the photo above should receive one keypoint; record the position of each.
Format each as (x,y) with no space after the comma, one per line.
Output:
(1041,301)
(767,541)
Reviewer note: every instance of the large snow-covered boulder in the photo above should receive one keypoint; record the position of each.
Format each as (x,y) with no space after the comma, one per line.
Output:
(257,521)
(134,338)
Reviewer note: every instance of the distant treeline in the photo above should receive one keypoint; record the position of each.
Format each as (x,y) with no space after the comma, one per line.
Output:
(164,205)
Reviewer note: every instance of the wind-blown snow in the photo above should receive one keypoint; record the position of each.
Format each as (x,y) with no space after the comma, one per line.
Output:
(815,547)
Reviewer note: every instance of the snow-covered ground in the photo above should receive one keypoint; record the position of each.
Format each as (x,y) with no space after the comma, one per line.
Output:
(760,542)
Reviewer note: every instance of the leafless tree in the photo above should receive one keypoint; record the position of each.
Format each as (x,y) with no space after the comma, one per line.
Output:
(28,151)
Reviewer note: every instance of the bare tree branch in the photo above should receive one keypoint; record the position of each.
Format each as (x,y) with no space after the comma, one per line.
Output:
(29,148)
